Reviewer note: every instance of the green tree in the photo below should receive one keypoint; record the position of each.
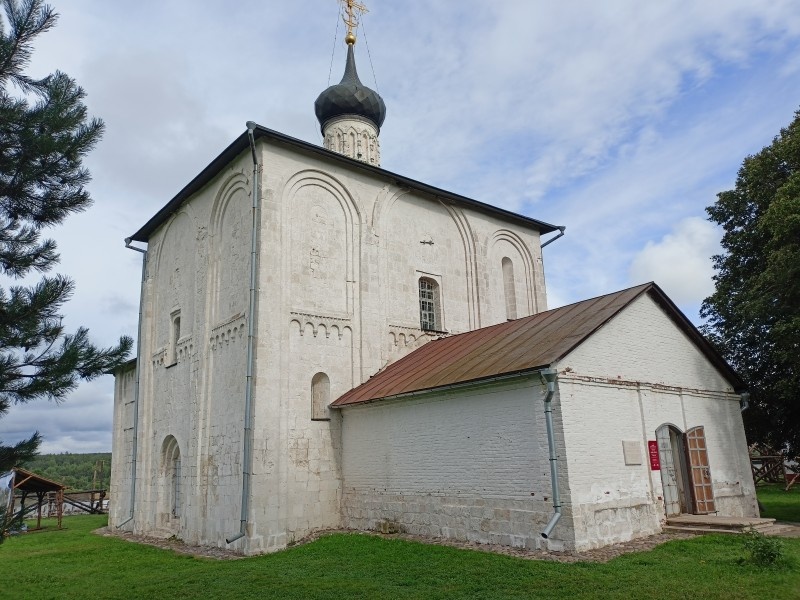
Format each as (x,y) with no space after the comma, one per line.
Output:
(44,135)
(754,314)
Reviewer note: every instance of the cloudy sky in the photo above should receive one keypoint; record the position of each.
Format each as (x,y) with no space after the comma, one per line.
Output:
(620,119)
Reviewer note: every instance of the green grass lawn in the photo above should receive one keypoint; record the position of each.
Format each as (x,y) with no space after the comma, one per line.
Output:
(74,563)
(779,504)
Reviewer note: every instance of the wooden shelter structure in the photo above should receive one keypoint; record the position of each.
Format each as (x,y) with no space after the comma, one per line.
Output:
(772,467)
(25,484)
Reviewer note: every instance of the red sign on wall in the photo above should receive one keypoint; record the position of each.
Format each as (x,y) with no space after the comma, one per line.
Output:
(652,451)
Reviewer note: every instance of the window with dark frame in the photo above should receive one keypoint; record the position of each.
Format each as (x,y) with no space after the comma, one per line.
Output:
(429,319)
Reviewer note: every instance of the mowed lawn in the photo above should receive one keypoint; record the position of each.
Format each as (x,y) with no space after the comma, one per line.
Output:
(74,563)
(780,504)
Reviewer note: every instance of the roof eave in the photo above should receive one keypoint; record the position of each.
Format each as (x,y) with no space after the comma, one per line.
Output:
(443,388)
(240,144)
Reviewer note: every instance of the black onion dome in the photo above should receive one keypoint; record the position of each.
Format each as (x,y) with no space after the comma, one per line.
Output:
(350,97)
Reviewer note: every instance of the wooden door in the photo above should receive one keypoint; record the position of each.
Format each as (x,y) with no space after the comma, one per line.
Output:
(669,480)
(699,472)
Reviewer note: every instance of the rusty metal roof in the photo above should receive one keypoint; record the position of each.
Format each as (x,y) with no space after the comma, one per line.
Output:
(518,346)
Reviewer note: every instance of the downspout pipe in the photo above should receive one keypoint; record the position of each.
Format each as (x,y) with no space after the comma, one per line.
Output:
(247,454)
(549,377)
(561,229)
(135,447)
(744,401)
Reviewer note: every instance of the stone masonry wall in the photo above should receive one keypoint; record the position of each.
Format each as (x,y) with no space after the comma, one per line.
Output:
(340,254)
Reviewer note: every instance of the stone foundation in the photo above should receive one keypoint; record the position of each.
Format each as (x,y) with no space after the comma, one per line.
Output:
(508,521)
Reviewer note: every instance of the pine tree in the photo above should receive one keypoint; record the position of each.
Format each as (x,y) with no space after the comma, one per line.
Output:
(44,135)
(754,313)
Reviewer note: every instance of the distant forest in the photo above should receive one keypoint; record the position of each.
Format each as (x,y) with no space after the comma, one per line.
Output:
(76,471)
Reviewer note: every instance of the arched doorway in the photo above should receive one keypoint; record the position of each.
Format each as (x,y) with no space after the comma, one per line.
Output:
(674,474)
(685,472)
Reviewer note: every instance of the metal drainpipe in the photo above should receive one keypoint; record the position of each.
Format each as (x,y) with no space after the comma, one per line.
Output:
(549,376)
(136,383)
(247,458)
(744,401)
(551,240)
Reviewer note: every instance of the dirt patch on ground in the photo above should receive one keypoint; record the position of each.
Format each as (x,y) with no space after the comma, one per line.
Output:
(600,555)
(172,543)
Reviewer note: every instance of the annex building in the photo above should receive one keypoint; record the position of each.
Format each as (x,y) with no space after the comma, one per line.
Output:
(324,343)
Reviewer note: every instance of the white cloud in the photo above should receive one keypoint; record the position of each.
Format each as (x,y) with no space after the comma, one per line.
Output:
(617,119)
(81,424)
(680,262)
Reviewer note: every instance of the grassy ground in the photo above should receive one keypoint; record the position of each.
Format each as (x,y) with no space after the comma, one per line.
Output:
(779,504)
(76,564)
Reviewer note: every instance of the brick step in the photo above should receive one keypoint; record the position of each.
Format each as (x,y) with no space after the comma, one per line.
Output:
(761,527)
(720,524)
(777,530)
(699,530)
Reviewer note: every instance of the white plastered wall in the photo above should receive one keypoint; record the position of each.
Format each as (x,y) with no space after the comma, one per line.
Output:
(122,445)
(470,464)
(329,300)
(639,371)
(191,388)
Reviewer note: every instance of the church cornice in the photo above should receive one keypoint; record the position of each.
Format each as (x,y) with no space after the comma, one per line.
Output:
(241,144)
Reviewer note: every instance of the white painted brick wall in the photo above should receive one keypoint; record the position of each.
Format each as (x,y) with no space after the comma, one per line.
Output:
(635,374)
(611,501)
(471,465)
(643,344)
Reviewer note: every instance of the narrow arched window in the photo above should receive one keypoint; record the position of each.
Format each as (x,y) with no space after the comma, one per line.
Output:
(175,325)
(320,397)
(508,289)
(429,305)
(171,461)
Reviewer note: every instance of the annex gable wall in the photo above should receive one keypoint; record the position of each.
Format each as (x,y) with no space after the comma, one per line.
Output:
(636,373)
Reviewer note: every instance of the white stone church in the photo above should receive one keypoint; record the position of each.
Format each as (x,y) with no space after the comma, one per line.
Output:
(326,344)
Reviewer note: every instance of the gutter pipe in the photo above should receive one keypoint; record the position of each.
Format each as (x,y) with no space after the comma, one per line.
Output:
(549,377)
(247,454)
(744,401)
(562,229)
(135,447)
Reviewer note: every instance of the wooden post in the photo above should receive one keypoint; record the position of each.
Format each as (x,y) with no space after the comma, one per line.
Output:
(59,505)
(40,497)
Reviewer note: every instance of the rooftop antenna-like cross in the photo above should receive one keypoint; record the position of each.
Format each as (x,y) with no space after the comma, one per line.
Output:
(352,11)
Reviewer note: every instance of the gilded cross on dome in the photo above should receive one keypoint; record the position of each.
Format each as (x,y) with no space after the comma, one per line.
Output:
(353,10)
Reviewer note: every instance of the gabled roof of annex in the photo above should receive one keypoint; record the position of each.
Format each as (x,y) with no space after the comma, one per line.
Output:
(518,347)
